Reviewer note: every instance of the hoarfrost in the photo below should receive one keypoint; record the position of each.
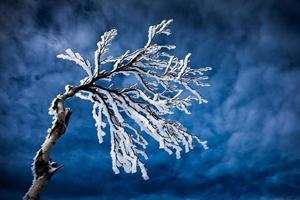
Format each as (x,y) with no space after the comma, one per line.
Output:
(164,81)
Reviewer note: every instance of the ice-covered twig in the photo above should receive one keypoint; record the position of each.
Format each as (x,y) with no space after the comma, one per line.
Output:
(161,82)
(77,58)
(164,82)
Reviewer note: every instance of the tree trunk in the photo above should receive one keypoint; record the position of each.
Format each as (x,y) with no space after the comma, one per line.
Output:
(43,167)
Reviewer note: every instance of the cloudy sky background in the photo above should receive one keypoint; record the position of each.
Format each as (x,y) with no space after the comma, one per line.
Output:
(251,121)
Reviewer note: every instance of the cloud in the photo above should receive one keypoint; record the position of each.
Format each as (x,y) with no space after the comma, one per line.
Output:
(251,121)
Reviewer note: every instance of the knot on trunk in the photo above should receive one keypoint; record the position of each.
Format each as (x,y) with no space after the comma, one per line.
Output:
(44,167)
(41,166)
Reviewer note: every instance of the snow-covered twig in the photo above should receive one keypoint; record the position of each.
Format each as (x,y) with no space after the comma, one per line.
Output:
(162,82)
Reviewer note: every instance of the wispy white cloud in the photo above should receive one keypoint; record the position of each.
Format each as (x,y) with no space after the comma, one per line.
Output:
(251,121)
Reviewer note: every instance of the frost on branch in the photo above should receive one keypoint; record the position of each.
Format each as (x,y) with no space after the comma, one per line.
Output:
(77,58)
(102,45)
(162,83)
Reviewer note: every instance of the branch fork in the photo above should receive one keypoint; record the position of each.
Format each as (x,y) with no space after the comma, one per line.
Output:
(164,83)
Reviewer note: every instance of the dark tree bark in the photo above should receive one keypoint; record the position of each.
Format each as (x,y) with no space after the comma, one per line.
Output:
(43,167)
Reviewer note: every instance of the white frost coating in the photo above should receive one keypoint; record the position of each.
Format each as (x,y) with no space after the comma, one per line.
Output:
(169,64)
(77,58)
(114,106)
(200,99)
(84,95)
(103,45)
(158,29)
(184,66)
(178,94)
(164,82)
(203,143)
(160,105)
(120,60)
(99,123)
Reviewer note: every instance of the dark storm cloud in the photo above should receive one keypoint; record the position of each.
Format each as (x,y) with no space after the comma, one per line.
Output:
(251,121)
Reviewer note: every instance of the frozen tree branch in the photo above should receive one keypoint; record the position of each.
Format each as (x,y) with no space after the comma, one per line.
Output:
(162,82)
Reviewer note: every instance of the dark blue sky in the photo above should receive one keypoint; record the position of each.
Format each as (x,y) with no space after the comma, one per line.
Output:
(251,121)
